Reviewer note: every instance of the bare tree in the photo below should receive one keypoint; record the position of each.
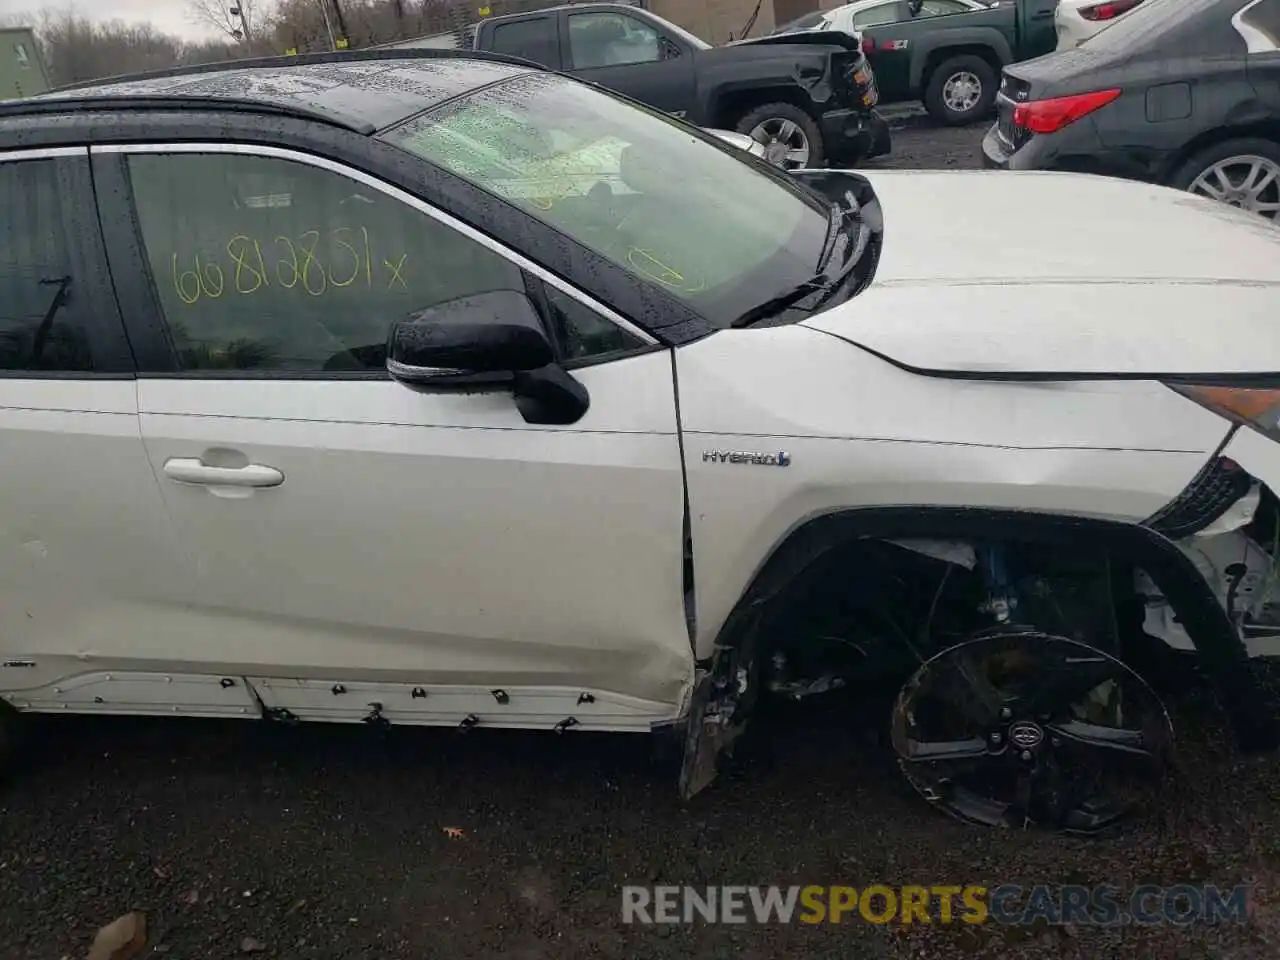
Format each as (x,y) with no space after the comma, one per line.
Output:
(236,18)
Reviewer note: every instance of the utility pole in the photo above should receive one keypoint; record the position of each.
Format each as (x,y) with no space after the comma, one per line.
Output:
(237,10)
(342,21)
(328,27)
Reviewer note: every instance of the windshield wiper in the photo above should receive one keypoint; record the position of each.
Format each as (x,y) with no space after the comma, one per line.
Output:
(821,284)
(819,281)
(858,247)
(835,220)
(781,302)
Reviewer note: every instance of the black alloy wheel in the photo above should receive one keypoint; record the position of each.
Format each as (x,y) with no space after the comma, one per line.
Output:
(1016,728)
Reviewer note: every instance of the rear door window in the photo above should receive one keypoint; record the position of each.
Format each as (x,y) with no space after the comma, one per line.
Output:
(57,315)
(533,39)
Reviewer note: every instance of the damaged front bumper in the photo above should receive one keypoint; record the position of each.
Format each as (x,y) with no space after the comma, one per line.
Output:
(852,136)
(1227,523)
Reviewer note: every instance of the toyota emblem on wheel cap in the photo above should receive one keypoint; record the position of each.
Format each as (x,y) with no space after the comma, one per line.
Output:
(1025,735)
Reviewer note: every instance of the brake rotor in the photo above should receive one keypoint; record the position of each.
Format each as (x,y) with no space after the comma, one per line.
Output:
(1021,728)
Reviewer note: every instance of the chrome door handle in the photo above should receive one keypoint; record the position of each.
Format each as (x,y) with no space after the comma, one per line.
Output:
(191,470)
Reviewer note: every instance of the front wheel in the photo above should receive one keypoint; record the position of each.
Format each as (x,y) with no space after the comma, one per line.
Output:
(1014,728)
(790,137)
(961,90)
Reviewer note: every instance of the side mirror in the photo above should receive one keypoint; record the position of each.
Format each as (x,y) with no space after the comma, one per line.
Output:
(915,6)
(496,332)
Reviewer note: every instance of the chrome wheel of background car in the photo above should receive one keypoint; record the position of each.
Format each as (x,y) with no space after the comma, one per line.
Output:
(1020,728)
(784,141)
(962,91)
(1249,182)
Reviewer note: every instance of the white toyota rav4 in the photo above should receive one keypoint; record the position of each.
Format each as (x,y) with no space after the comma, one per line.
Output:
(428,388)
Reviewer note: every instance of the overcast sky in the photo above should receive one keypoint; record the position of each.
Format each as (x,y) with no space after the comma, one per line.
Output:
(171,16)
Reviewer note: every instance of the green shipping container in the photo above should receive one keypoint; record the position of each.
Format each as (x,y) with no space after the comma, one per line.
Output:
(22,70)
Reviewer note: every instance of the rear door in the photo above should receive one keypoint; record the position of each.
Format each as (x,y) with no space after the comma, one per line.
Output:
(630,55)
(88,562)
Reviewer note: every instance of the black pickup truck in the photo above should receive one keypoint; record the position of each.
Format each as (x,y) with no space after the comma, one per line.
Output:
(810,99)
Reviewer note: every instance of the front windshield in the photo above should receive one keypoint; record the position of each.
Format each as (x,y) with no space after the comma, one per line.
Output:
(681,211)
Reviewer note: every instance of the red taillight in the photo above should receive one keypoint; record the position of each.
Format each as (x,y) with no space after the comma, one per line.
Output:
(868,44)
(1050,116)
(1109,10)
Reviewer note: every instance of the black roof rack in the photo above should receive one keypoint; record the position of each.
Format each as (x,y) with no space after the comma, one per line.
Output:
(41,107)
(302,59)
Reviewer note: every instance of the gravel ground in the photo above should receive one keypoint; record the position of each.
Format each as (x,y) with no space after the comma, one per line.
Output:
(919,144)
(332,842)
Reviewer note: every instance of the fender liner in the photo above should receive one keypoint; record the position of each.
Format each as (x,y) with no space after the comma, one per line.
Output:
(713,722)
(988,37)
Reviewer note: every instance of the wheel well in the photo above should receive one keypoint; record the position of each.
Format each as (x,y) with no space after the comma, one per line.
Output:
(1266,129)
(733,106)
(936,58)
(859,549)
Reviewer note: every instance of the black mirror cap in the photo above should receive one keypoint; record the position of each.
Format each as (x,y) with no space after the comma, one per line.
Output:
(495,332)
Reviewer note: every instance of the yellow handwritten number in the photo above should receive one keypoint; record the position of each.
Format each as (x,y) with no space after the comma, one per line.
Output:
(208,285)
(239,248)
(368,258)
(309,261)
(292,264)
(187,283)
(355,255)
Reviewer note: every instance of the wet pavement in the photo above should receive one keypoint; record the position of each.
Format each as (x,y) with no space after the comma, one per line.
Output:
(344,842)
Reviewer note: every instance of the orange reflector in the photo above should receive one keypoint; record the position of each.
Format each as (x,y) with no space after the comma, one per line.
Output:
(1246,403)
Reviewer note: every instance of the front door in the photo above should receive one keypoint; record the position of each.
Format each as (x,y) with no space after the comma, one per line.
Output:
(629,55)
(368,551)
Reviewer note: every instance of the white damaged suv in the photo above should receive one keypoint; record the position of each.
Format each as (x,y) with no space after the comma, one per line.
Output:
(415,387)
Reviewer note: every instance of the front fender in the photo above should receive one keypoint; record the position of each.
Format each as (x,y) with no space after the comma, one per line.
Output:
(860,432)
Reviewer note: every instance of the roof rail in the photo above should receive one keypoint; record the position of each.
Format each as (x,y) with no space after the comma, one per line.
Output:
(39,106)
(302,59)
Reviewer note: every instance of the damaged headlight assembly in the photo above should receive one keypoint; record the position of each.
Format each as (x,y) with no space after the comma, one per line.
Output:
(1258,408)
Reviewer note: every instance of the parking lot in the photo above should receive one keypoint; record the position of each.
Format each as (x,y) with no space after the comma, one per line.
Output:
(240,839)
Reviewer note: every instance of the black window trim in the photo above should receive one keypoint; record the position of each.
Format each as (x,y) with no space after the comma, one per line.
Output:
(144,316)
(105,329)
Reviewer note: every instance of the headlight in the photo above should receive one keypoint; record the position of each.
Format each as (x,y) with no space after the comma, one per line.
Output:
(1253,407)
